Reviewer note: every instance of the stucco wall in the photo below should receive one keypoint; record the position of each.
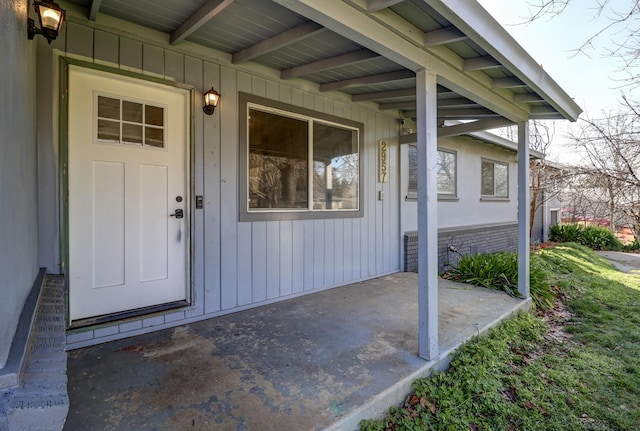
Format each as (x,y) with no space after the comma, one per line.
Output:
(18,167)
(469,209)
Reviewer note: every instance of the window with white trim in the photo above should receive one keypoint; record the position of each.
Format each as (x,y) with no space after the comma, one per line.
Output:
(495,179)
(447,170)
(299,163)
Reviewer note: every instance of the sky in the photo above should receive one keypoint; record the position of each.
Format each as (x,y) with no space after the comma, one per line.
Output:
(593,80)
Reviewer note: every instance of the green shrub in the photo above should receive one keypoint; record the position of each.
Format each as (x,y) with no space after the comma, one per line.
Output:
(566,233)
(600,238)
(594,237)
(499,271)
(632,246)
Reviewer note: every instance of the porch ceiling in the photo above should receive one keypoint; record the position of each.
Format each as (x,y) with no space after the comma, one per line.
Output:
(278,34)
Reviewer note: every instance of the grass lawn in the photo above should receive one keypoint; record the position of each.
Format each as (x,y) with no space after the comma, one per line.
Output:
(574,367)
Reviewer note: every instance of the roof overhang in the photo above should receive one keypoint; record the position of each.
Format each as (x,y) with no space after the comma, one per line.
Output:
(369,50)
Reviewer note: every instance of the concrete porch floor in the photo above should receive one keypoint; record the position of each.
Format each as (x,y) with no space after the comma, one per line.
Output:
(325,360)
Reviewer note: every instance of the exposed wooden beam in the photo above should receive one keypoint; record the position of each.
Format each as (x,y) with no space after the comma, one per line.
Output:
(541,111)
(549,116)
(527,98)
(293,35)
(473,126)
(459,102)
(93,9)
(443,36)
(200,17)
(407,92)
(409,138)
(507,83)
(377,5)
(368,80)
(473,19)
(379,33)
(397,105)
(465,114)
(329,63)
(480,63)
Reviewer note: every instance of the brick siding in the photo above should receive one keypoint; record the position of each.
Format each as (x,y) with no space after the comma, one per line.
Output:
(471,240)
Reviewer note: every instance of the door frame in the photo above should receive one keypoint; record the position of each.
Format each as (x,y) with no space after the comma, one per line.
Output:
(63,202)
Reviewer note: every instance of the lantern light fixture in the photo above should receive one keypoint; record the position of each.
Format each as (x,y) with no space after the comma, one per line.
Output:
(211,99)
(50,16)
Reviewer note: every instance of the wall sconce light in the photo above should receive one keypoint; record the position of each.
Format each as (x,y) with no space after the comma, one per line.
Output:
(50,16)
(211,99)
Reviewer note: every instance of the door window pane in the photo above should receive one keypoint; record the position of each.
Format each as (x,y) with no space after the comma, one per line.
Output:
(132,112)
(131,133)
(109,130)
(129,128)
(154,115)
(108,107)
(154,137)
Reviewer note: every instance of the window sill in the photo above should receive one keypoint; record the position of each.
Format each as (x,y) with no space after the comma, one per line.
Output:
(493,199)
(253,216)
(441,198)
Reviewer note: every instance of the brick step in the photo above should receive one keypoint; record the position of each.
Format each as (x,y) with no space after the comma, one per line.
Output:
(41,401)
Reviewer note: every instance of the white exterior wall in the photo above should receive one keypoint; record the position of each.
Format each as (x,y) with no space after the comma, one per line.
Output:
(469,209)
(241,265)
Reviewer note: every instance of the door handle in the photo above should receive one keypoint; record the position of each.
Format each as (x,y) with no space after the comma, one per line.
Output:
(177,214)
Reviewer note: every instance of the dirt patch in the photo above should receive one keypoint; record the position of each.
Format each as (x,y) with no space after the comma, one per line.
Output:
(557,319)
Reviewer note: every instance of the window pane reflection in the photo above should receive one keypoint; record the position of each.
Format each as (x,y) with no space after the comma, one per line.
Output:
(154,115)
(108,107)
(278,161)
(132,112)
(335,167)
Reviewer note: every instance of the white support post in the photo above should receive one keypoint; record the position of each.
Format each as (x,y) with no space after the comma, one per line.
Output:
(524,204)
(427,141)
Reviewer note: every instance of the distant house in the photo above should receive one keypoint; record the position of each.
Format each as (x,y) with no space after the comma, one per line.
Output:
(159,214)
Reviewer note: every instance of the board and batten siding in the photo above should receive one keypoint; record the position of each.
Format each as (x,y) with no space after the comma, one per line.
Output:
(237,265)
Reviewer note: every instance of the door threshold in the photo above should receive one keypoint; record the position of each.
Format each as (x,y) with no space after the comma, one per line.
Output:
(126,315)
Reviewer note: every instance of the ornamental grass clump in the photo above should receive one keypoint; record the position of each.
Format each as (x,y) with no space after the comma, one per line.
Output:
(499,271)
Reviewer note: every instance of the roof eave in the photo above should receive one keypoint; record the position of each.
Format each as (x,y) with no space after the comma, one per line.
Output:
(473,20)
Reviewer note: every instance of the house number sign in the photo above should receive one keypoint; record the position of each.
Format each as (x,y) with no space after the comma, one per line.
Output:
(383,161)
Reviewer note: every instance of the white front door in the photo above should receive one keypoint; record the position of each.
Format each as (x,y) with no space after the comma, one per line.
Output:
(128,244)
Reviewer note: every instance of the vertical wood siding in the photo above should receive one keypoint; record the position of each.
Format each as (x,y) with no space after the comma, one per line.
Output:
(241,264)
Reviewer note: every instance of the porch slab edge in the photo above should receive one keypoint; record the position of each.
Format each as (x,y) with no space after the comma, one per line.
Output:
(378,405)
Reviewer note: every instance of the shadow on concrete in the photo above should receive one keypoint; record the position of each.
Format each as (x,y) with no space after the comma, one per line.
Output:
(321,361)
